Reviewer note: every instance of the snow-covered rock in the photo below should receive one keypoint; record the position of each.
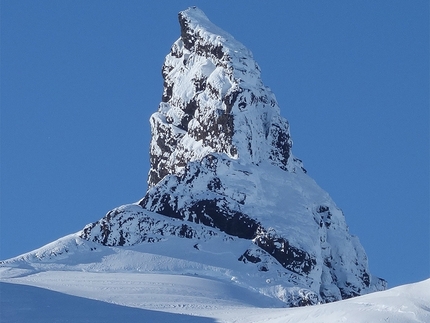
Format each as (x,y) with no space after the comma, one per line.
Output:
(214,102)
(221,157)
(223,178)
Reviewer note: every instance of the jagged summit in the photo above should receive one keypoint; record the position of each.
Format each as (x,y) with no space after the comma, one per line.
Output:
(225,191)
(214,102)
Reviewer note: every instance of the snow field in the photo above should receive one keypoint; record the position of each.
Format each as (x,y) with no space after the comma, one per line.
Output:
(180,298)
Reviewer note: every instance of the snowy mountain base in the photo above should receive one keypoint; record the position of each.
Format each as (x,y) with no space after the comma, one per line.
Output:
(75,280)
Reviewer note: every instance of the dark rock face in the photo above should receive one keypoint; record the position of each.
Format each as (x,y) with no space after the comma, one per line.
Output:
(221,163)
(130,225)
(290,257)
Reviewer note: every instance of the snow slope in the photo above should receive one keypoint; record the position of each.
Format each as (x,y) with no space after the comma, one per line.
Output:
(67,296)
(74,280)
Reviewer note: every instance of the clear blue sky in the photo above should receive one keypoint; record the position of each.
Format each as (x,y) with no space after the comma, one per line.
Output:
(79,80)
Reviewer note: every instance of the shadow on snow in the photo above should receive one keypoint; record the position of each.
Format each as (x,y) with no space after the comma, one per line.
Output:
(22,303)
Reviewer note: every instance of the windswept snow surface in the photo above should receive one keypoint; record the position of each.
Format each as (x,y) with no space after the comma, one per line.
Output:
(93,283)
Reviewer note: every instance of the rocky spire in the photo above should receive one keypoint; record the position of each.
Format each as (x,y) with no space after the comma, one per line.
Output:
(214,102)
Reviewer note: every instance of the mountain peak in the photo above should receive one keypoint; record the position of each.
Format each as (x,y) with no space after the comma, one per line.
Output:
(222,173)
